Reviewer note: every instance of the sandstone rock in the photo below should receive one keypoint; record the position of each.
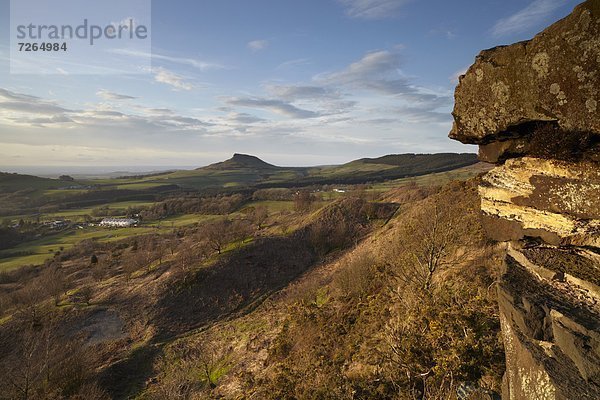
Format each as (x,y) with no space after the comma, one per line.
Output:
(549,355)
(534,108)
(581,345)
(553,77)
(556,200)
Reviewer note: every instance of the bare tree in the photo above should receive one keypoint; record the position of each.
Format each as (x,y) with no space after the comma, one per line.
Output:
(159,252)
(39,364)
(28,305)
(217,234)
(260,215)
(172,242)
(209,360)
(303,200)
(129,267)
(90,392)
(430,241)
(54,283)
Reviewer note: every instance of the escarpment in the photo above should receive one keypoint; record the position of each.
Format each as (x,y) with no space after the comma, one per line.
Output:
(534,110)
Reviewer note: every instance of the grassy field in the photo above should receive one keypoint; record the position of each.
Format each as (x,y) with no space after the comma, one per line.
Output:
(36,252)
(77,214)
(273,206)
(183,220)
(440,178)
(42,249)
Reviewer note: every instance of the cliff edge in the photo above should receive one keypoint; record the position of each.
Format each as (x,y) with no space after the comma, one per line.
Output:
(534,110)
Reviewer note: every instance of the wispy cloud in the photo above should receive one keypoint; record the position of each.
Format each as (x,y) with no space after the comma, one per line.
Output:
(293,63)
(22,103)
(257,45)
(170,78)
(448,33)
(297,92)
(277,106)
(374,65)
(373,9)
(162,135)
(380,72)
(350,91)
(529,17)
(243,118)
(107,95)
(126,23)
(199,64)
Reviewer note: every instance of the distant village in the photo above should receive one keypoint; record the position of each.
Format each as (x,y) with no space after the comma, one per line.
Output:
(119,222)
(106,222)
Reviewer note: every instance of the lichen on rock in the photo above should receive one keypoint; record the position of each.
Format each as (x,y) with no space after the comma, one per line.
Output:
(534,81)
(533,109)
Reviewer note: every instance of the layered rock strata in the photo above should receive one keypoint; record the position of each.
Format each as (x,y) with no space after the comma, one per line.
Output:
(534,110)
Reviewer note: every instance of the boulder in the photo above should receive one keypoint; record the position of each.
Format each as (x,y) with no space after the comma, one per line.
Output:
(555,77)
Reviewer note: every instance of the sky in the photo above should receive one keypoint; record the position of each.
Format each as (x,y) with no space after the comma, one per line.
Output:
(296,83)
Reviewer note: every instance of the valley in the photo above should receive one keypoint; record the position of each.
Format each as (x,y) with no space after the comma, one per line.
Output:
(217,269)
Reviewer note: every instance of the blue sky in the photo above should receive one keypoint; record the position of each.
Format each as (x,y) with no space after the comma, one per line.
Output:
(294,82)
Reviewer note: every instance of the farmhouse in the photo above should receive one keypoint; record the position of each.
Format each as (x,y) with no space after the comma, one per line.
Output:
(118,222)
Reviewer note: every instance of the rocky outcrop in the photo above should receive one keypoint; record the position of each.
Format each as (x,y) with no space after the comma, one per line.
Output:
(534,109)
(553,77)
(555,200)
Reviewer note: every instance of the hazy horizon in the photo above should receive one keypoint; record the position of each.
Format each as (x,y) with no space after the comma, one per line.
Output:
(102,170)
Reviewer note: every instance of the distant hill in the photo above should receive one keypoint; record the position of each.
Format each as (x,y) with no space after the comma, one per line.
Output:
(392,166)
(429,160)
(13,182)
(243,171)
(241,161)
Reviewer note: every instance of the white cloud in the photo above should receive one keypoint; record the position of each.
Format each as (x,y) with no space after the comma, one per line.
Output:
(529,17)
(257,45)
(296,92)
(243,118)
(373,9)
(372,65)
(170,78)
(277,106)
(442,31)
(13,104)
(107,95)
(18,109)
(380,72)
(354,94)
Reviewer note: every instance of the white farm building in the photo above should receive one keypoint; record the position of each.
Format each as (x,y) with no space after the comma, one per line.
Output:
(118,222)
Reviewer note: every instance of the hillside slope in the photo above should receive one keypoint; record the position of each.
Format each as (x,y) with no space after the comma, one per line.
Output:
(11,182)
(359,323)
(308,303)
(246,171)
